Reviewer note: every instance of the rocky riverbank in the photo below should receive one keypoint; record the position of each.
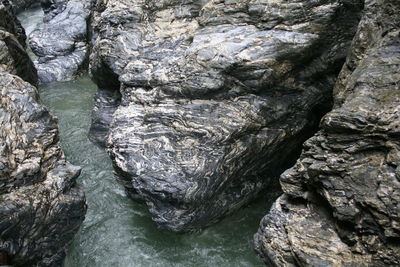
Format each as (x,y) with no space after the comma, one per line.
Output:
(216,96)
(41,206)
(341,200)
(60,43)
(201,105)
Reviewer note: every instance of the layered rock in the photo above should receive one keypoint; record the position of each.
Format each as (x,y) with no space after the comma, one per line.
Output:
(216,96)
(341,201)
(61,41)
(41,208)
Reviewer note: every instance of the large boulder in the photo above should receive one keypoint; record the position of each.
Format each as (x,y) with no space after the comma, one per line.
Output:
(61,41)
(216,96)
(41,208)
(341,201)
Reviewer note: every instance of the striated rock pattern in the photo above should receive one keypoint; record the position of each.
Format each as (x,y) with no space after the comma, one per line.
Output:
(41,208)
(61,41)
(216,96)
(341,201)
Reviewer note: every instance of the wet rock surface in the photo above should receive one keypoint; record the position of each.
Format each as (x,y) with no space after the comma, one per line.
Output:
(216,96)
(341,201)
(61,41)
(40,206)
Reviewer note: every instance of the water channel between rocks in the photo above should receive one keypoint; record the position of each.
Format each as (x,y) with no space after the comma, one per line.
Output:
(118,231)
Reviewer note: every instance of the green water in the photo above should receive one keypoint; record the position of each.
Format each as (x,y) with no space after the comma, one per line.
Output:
(119,232)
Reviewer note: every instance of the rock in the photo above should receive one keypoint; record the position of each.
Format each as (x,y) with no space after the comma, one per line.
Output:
(106,102)
(20,5)
(52,8)
(61,41)
(349,168)
(216,96)
(13,57)
(41,208)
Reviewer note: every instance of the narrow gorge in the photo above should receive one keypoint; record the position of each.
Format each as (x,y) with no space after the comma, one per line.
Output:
(159,133)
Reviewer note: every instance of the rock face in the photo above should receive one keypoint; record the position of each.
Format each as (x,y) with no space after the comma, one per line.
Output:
(40,206)
(20,5)
(61,41)
(341,201)
(216,96)
(13,57)
(106,102)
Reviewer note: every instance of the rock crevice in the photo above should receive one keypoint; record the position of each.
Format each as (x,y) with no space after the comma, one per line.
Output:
(216,97)
(351,163)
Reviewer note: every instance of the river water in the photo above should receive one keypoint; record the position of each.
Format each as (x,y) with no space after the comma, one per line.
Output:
(118,231)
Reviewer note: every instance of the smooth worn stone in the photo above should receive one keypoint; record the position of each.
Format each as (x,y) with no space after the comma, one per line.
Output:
(41,208)
(350,165)
(216,96)
(61,41)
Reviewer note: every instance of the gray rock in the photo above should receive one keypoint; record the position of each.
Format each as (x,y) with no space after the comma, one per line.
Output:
(106,102)
(13,57)
(41,208)
(216,96)
(52,8)
(20,5)
(61,41)
(349,168)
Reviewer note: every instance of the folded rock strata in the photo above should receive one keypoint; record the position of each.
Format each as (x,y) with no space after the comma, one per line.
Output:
(216,96)
(341,200)
(41,208)
(61,41)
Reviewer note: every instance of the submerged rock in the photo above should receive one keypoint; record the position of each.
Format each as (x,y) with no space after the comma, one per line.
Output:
(41,208)
(61,41)
(341,201)
(216,96)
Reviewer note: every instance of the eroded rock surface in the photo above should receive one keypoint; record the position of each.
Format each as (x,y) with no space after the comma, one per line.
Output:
(216,96)
(341,201)
(61,41)
(41,208)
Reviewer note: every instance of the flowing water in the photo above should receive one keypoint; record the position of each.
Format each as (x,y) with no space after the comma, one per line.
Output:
(30,20)
(120,232)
